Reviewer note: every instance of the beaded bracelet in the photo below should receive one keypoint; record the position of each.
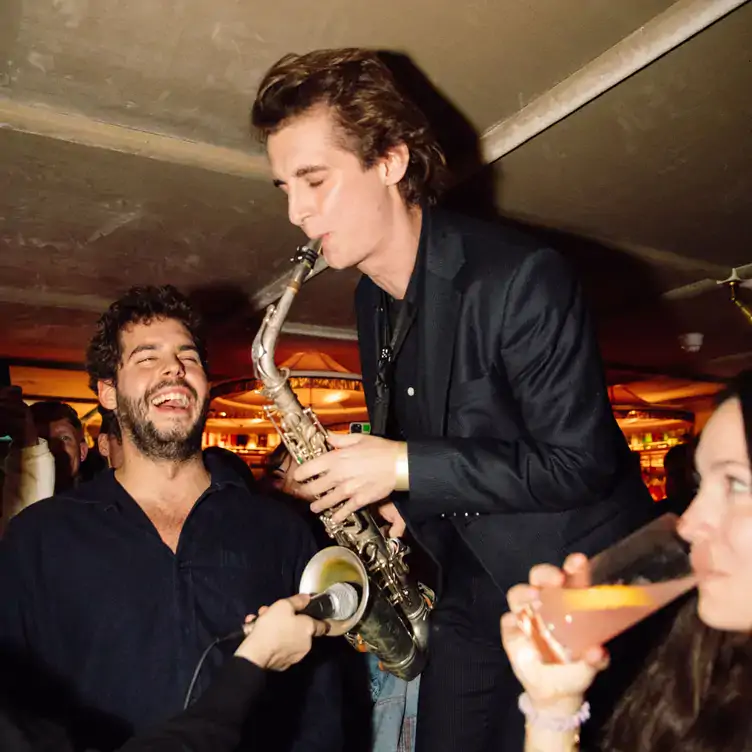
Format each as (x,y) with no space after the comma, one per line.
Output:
(552,722)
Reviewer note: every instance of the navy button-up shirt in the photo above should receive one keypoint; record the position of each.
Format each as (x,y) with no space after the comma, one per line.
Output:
(107,613)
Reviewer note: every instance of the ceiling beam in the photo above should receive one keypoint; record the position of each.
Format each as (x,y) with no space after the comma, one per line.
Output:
(51,365)
(706,284)
(668,30)
(657,256)
(320,332)
(96,304)
(649,254)
(80,129)
(45,298)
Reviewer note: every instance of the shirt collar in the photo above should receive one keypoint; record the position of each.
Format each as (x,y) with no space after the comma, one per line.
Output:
(413,286)
(226,468)
(105,489)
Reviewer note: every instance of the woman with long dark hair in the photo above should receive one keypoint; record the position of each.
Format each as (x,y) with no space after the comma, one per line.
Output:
(696,691)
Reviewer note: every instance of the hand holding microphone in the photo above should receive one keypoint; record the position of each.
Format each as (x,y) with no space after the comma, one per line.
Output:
(282,634)
(338,602)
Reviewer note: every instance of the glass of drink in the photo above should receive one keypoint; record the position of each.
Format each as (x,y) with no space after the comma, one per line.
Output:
(628,581)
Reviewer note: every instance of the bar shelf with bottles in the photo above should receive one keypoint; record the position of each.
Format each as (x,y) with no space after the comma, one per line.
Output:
(251,447)
(650,434)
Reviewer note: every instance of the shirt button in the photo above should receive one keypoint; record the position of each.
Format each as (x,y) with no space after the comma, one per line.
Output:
(410,391)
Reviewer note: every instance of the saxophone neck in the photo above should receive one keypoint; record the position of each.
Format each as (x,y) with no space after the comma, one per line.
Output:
(265,342)
(262,350)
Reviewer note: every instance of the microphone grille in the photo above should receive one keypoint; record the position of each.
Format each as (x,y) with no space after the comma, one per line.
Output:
(345,599)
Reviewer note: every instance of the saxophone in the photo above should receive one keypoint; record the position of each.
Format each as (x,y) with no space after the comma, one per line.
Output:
(392,616)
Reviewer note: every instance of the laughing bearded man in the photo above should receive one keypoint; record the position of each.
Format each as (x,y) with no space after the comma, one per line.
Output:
(110,593)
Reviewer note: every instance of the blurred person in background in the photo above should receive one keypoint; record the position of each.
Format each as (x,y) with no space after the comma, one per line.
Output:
(110,439)
(47,451)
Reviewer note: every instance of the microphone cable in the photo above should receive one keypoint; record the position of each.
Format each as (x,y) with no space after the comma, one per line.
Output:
(213,644)
(339,601)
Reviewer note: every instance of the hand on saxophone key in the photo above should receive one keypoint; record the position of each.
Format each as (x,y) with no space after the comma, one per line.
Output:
(360,470)
(391,514)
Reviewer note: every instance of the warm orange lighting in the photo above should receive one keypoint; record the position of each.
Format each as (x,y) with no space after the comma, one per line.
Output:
(334,394)
(333,397)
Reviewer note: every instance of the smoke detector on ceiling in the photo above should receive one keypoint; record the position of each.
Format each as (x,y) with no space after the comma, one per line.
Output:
(691,341)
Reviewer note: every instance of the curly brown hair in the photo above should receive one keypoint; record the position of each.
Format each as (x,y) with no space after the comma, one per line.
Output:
(140,305)
(372,114)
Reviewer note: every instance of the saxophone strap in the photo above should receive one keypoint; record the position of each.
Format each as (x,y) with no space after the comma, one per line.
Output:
(390,344)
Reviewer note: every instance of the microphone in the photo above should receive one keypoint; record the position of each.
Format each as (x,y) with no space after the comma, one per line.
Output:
(338,602)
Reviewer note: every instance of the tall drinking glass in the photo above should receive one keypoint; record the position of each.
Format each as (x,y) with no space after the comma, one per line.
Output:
(628,581)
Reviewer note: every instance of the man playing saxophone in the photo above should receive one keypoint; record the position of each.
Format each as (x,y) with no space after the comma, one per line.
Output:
(496,439)
(391,620)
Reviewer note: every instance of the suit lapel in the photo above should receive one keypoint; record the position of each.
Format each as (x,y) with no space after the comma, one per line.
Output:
(439,311)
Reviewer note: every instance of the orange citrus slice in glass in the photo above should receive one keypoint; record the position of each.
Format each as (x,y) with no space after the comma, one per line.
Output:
(605,597)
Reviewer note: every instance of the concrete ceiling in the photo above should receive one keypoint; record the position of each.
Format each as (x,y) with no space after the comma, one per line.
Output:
(126,159)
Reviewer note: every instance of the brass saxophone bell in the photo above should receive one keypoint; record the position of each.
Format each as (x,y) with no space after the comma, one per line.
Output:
(332,565)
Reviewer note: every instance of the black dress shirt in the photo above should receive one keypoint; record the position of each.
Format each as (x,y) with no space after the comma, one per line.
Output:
(104,624)
(406,403)
(398,320)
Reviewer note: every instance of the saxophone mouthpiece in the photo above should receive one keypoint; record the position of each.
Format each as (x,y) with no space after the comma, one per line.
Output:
(311,252)
(314,244)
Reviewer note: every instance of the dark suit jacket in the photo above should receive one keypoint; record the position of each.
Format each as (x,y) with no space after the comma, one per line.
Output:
(523,452)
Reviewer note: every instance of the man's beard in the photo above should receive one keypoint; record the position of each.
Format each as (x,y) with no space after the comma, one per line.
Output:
(177,444)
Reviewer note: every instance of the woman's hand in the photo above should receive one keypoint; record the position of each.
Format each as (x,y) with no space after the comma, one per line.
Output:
(557,687)
(281,637)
